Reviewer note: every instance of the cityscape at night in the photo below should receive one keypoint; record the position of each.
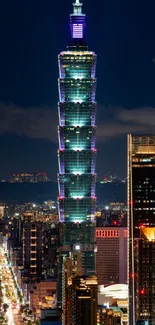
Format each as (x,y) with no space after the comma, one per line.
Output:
(77,168)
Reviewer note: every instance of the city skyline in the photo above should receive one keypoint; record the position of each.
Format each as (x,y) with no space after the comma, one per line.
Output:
(85,257)
(29,48)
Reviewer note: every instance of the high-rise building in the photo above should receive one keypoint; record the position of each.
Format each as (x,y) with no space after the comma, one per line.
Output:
(50,242)
(111,255)
(81,300)
(141,206)
(32,249)
(145,275)
(77,151)
(39,247)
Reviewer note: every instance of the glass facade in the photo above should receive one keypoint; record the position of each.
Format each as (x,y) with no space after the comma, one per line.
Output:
(77,162)
(76,210)
(144,252)
(141,215)
(81,293)
(77,114)
(76,133)
(77,138)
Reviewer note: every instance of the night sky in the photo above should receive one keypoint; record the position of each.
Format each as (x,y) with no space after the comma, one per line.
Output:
(32,33)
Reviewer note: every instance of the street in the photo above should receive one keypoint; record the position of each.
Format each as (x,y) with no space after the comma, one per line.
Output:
(10,302)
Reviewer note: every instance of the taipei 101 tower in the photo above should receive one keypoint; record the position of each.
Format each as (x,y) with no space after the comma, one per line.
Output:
(77,153)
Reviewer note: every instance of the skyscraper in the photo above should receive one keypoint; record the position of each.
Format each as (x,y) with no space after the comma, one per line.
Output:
(82,300)
(77,151)
(111,256)
(32,249)
(145,275)
(141,213)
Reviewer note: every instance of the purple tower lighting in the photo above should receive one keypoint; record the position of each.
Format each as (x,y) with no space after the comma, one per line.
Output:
(77,21)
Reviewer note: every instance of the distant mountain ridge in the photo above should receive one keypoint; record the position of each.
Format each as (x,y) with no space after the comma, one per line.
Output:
(19,193)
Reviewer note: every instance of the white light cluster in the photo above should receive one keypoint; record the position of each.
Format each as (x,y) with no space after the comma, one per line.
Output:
(77,173)
(77,101)
(77,30)
(77,77)
(77,149)
(77,125)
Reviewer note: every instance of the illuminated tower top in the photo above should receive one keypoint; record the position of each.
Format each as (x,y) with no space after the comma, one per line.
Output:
(77,21)
(77,8)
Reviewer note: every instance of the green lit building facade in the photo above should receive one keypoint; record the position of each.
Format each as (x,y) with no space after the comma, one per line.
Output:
(77,151)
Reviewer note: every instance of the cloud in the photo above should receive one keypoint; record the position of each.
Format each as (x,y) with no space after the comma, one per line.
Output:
(34,122)
(116,129)
(41,122)
(142,116)
(124,121)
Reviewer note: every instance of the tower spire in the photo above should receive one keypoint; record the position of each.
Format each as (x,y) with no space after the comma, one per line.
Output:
(77,7)
(77,20)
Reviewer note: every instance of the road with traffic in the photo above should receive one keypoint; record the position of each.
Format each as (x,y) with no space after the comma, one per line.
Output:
(10,311)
